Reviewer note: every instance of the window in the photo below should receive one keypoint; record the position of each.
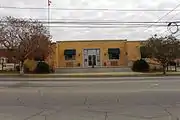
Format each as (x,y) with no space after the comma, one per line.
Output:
(69,57)
(114,53)
(113,56)
(70,54)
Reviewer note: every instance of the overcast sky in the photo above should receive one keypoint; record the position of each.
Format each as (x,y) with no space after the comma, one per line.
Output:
(96,33)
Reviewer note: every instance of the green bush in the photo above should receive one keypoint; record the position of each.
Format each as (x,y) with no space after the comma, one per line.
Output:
(18,68)
(140,66)
(42,68)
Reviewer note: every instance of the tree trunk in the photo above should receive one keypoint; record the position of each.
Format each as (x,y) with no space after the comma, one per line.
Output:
(14,66)
(2,66)
(22,68)
(164,70)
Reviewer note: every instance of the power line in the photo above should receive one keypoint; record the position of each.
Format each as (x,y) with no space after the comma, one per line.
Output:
(164,16)
(103,22)
(101,26)
(99,22)
(72,21)
(109,24)
(169,22)
(80,21)
(105,26)
(90,9)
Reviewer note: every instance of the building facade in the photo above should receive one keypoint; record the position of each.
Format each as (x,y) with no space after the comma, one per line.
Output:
(51,59)
(96,53)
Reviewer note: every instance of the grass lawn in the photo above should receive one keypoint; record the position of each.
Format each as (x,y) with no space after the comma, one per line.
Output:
(8,72)
(107,74)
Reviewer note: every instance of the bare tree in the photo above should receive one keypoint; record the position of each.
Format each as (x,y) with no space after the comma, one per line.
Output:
(162,49)
(24,38)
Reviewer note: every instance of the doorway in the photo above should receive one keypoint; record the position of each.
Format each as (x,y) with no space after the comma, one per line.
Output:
(91,57)
(92,60)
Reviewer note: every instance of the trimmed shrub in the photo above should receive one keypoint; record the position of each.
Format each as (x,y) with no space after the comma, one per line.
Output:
(18,68)
(42,68)
(140,66)
(30,65)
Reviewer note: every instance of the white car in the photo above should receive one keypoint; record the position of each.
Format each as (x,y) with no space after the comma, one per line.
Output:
(8,66)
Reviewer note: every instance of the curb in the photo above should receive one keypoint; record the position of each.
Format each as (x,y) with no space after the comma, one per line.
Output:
(83,76)
(89,79)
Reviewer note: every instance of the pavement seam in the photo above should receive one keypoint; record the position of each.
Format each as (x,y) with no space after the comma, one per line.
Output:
(34,115)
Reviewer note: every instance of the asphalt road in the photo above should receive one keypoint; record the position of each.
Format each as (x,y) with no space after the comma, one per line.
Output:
(88,78)
(133,99)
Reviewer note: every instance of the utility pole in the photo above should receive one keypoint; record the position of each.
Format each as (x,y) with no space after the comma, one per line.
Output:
(49,4)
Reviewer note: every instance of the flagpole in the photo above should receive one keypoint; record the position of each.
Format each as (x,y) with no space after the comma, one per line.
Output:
(49,15)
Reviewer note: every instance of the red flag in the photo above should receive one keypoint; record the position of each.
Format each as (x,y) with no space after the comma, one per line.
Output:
(49,2)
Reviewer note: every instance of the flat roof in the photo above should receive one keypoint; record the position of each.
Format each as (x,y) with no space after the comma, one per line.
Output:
(101,40)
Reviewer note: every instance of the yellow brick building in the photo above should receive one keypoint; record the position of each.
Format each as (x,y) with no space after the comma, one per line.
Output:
(96,53)
(51,59)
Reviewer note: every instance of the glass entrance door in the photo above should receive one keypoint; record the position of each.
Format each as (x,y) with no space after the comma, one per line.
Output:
(91,57)
(94,59)
(91,60)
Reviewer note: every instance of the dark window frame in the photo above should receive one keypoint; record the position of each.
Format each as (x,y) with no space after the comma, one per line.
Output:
(70,56)
(114,55)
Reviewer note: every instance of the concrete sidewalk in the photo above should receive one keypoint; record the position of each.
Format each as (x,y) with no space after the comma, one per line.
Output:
(87,75)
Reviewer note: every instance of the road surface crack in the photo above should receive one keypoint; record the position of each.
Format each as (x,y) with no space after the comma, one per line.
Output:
(36,114)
